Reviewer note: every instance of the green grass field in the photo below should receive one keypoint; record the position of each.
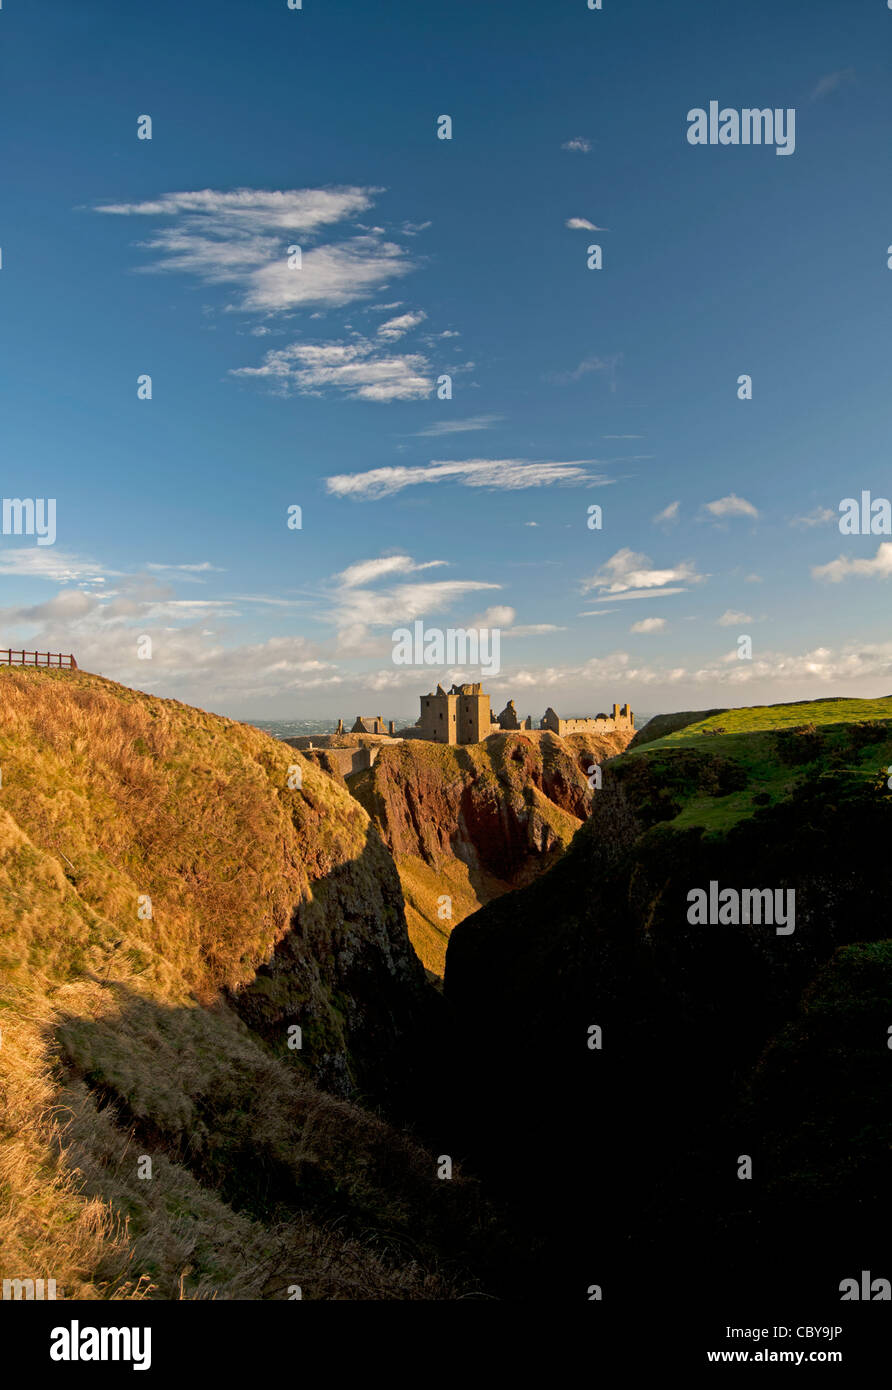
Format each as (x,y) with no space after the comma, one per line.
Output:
(758,718)
(775,748)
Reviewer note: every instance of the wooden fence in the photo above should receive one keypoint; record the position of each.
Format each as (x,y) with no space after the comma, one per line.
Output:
(65,660)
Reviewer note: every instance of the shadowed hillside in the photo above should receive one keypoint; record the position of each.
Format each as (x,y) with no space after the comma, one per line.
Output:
(716,1040)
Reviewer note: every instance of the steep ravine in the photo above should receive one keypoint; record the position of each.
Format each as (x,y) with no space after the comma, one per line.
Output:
(621,1160)
(466,824)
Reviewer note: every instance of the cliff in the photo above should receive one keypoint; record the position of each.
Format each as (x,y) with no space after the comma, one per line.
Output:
(468,823)
(170,910)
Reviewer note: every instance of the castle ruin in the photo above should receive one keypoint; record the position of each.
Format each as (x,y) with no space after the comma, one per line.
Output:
(463,715)
(458,716)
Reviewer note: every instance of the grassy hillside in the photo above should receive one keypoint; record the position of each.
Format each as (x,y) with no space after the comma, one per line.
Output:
(131,1034)
(725,767)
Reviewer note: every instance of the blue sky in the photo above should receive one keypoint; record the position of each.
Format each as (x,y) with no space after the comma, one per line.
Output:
(317,387)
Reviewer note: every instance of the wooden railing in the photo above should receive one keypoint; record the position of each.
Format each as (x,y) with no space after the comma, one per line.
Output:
(65,660)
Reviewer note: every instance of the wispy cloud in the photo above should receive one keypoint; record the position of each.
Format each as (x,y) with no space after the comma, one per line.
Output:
(361,369)
(730,618)
(668,515)
(473,422)
(831,81)
(204,567)
(578,145)
(242,238)
(582,224)
(649,625)
(360,605)
(586,368)
(49,562)
(499,474)
(820,516)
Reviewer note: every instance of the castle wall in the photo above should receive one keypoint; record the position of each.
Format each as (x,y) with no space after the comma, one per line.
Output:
(344,760)
(601,724)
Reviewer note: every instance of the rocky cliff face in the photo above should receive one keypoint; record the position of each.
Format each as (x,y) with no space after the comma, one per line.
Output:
(467,823)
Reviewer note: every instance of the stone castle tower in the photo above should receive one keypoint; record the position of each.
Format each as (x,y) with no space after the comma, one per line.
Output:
(461,715)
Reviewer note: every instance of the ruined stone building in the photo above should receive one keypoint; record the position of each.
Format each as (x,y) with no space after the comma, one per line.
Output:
(508,719)
(462,715)
(370,724)
(622,718)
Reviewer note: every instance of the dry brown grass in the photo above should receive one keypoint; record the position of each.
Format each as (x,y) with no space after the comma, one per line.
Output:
(117,1037)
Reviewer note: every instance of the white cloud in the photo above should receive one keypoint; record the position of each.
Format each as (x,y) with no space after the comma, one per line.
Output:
(643,593)
(813,672)
(501,616)
(649,625)
(205,567)
(582,224)
(400,326)
(304,209)
(732,505)
(503,474)
(668,515)
(368,571)
(48,562)
(880,567)
(628,572)
(361,370)
(357,612)
(820,516)
(66,606)
(732,619)
(473,422)
(242,238)
(579,144)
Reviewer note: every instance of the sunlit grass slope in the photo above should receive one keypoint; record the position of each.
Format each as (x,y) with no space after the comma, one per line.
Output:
(125,1032)
(715,771)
